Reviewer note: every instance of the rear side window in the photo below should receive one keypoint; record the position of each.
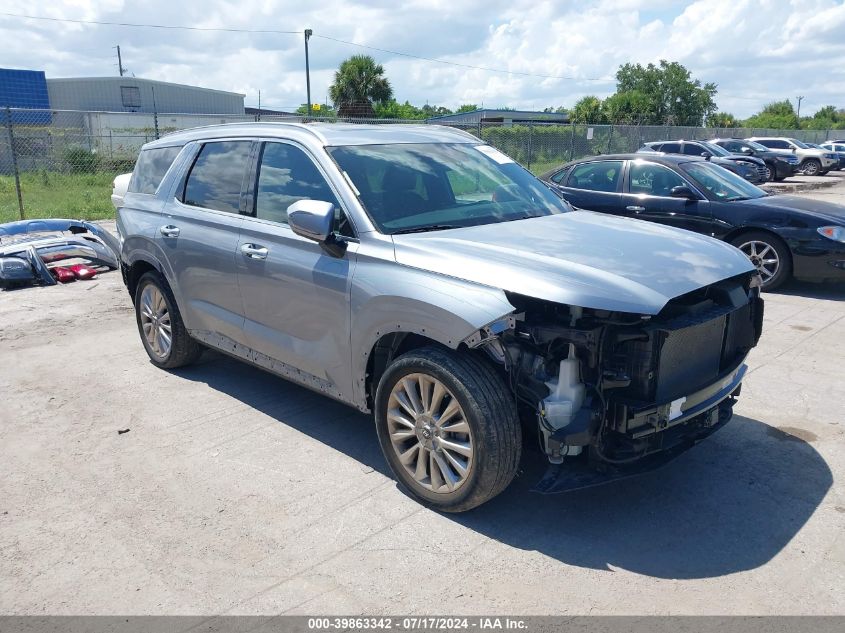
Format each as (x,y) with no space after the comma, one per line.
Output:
(216,179)
(150,169)
(671,148)
(601,176)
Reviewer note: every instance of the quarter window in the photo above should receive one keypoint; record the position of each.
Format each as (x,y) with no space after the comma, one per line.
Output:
(653,179)
(151,167)
(217,176)
(600,176)
(560,176)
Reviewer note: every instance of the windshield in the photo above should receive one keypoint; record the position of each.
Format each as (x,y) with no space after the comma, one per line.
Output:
(724,185)
(716,150)
(417,187)
(795,141)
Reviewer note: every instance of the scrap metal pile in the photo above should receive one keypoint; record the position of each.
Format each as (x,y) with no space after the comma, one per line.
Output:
(47,252)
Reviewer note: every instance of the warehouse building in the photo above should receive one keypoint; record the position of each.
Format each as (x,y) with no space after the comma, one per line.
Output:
(130,94)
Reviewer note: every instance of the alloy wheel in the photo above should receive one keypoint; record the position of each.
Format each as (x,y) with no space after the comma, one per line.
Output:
(429,433)
(768,173)
(764,257)
(155,321)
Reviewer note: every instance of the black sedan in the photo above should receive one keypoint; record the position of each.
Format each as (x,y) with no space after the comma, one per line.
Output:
(783,235)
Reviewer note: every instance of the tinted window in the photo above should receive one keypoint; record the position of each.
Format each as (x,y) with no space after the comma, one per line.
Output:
(217,175)
(600,176)
(693,149)
(733,146)
(286,175)
(721,183)
(774,144)
(840,148)
(560,176)
(150,168)
(653,179)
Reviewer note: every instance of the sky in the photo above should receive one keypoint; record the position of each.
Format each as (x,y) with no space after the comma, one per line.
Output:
(756,51)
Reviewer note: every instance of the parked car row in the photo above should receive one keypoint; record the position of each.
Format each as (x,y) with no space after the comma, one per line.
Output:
(759,159)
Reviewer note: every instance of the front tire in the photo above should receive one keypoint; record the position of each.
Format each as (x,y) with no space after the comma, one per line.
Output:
(160,325)
(448,427)
(811,167)
(769,254)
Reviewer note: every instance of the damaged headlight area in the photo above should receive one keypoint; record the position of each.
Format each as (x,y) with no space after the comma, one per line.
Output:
(46,252)
(610,393)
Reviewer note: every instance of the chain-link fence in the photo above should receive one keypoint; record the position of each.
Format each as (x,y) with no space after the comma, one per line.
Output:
(61,163)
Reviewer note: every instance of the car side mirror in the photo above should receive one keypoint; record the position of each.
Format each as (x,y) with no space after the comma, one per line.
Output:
(707,155)
(747,151)
(312,219)
(682,191)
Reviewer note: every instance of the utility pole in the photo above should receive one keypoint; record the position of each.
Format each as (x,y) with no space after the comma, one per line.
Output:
(119,61)
(798,114)
(307,70)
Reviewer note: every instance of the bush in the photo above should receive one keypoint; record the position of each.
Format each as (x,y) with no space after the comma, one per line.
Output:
(81,160)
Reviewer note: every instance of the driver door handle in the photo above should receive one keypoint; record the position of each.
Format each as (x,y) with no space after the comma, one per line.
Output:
(254,251)
(636,208)
(169,230)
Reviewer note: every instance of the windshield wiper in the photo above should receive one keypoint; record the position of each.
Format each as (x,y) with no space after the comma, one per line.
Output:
(426,228)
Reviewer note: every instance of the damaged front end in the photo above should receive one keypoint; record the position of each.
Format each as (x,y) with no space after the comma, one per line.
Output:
(40,252)
(611,394)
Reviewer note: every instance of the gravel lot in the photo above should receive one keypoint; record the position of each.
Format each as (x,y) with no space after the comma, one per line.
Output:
(235,492)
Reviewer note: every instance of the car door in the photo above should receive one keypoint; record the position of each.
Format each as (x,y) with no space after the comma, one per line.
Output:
(595,186)
(198,236)
(647,196)
(295,294)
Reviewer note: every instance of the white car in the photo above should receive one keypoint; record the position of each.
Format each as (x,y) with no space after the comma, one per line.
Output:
(814,162)
(118,189)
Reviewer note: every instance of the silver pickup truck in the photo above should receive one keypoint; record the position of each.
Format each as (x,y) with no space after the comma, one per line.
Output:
(420,275)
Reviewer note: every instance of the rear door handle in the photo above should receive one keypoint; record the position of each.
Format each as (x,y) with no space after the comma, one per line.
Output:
(169,231)
(636,208)
(254,251)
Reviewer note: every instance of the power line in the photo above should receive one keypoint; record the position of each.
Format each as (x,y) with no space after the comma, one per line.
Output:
(450,63)
(147,26)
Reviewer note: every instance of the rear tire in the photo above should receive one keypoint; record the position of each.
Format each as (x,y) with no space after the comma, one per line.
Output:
(769,254)
(160,325)
(469,457)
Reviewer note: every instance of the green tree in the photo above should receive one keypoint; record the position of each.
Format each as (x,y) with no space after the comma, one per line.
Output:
(778,115)
(630,108)
(358,83)
(826,118)
(721,119)
(587,110)
(669,93)
(394,110)
(467,107)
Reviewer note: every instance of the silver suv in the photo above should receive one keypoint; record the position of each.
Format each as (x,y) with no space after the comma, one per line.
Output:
(813,161)
(418,274)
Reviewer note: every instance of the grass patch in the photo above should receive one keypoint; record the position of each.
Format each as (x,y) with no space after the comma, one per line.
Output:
(46,194)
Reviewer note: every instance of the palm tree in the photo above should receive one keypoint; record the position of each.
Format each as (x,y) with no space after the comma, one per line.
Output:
(357,84)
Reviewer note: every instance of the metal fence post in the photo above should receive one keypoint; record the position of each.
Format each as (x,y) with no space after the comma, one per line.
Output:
(609,139)
(14,153)
(530,138)
(571,140)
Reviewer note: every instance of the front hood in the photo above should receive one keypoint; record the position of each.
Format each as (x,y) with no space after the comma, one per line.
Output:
(579,258)
(818,209)
(745,159)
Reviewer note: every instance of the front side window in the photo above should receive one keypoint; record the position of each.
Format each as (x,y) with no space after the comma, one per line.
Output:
(151,167)
(598,176)
(694,149)
(799,144)
(652,179)
(430,186)
(216,179)
(722,184)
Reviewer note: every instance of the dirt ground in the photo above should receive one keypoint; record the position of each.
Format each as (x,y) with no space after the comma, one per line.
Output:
(234,492)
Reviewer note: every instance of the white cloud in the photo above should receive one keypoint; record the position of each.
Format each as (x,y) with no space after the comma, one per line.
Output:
(755,50)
